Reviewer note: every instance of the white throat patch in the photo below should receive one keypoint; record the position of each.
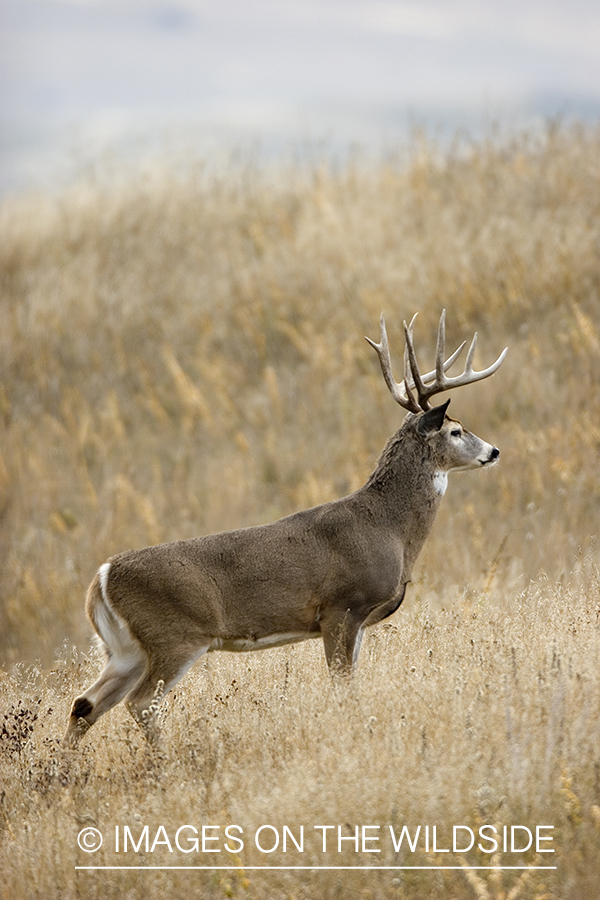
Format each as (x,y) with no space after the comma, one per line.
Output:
(440,483)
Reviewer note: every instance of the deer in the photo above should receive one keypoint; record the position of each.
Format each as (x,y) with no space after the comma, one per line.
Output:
(329,571)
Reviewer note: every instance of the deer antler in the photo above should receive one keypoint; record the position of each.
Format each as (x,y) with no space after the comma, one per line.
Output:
(433,382)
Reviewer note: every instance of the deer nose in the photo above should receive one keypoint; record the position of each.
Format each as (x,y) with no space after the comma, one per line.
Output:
(494,454)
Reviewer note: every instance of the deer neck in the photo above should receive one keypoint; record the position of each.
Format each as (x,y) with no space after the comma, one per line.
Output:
(405,492)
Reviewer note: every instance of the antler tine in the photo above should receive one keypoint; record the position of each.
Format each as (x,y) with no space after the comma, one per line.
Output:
(469,376)
(411,366)
(471,354)
(440,349)
(425,383)
(433,382)
(430,376)
(383,351)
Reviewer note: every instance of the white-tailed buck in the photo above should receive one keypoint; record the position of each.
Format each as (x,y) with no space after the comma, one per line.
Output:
(327,572)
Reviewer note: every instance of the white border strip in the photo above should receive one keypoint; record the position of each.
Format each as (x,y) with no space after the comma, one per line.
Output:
(318,868)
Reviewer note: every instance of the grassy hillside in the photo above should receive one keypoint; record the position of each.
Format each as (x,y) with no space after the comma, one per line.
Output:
(486,714)
(182,352)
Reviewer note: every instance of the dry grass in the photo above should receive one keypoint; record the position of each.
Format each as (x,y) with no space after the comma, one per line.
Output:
(182,353)
(484,714)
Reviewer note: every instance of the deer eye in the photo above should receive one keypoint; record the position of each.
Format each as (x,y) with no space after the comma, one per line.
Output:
(456,432)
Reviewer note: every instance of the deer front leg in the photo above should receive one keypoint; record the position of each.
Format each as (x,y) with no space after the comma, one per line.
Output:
(342,636)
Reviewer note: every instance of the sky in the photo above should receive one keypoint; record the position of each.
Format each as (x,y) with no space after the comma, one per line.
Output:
(80,76)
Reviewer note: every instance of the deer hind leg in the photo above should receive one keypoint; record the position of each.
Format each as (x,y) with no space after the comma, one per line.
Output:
(125,665)
(342,637)
(162,675)
(119,675)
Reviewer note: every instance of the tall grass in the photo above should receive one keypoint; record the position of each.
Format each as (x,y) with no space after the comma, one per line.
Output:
(483,714)
(181,353)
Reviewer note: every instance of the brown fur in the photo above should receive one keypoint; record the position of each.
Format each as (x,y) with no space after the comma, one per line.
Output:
(328,571)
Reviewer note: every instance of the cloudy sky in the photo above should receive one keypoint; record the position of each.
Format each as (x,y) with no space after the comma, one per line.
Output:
(77,76)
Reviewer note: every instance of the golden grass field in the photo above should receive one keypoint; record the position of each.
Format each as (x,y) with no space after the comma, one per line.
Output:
(182,352)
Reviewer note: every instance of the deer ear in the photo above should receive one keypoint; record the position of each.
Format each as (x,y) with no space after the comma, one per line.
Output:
(433,419)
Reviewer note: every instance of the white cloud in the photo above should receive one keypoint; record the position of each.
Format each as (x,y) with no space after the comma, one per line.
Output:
(282,68)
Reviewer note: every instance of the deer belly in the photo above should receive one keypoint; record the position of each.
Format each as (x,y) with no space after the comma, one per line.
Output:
(245,644)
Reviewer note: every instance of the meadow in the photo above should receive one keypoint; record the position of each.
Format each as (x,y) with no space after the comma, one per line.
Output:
(182,352)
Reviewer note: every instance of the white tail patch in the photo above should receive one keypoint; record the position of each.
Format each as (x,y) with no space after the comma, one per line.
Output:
(440,483)
(124,650)
(103,575)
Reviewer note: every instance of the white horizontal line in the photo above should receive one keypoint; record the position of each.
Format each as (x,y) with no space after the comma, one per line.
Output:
(316,868)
